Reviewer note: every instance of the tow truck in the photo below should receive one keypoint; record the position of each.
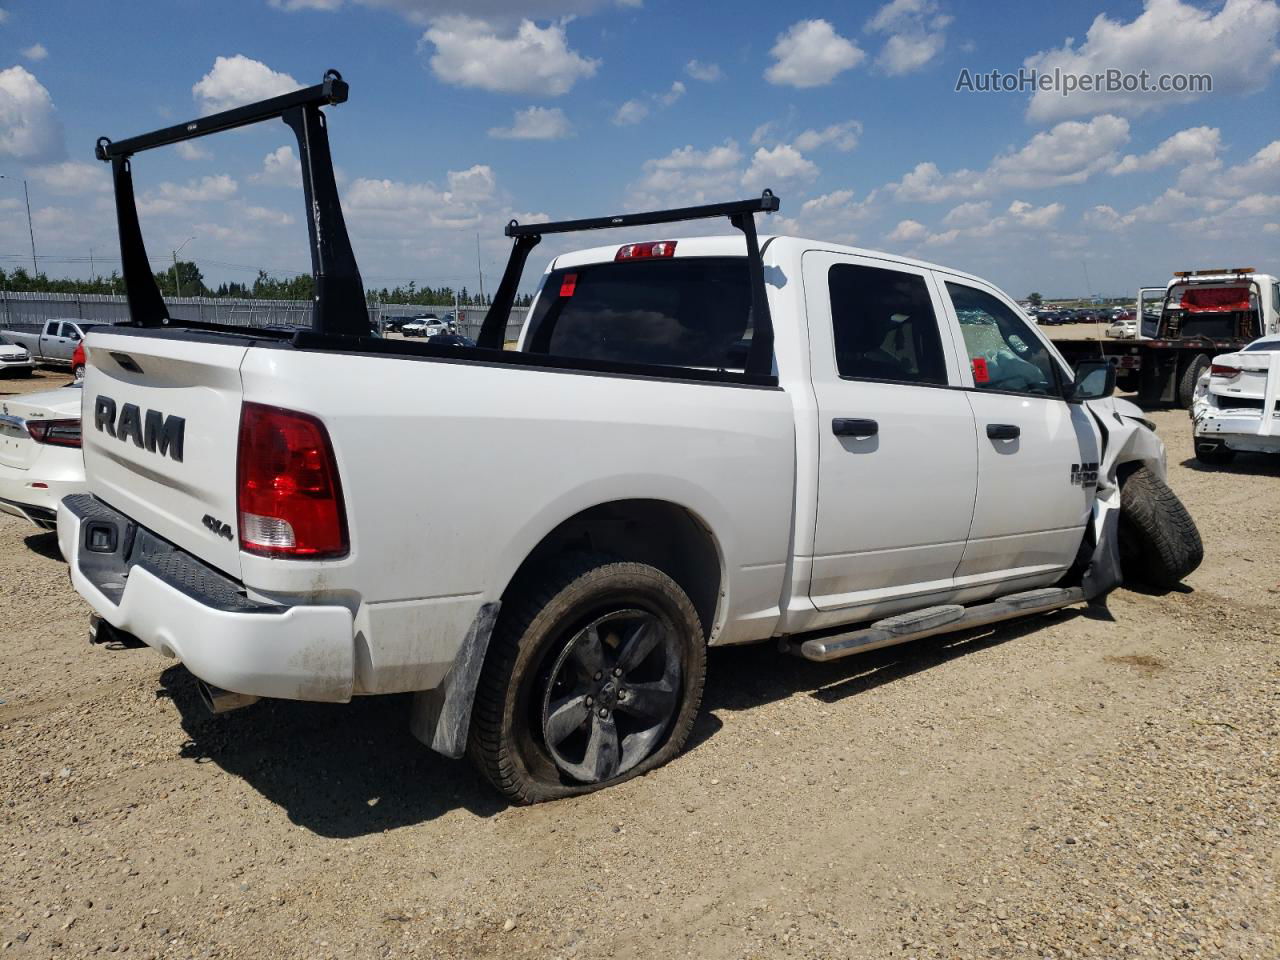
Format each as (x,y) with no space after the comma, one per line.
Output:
(1181,326)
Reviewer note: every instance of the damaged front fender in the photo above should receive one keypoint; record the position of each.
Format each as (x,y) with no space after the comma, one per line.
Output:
(1127,437)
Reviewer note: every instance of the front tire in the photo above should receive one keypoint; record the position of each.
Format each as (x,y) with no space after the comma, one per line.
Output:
(77,372)
(1159,542)
(594,676)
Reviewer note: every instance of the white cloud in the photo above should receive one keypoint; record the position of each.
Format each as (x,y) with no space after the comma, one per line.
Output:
(706,72)
(425,11)
(784,162)
(1106,217)
(968,214)
(1071,152)
(830,216)
(828,201)
(1235,44)
(1230,202)
(292,5)
(535,123)
(927,184)
(534,60)
(171,199)
(811,54)
(638,108)
(72,177)
(36,52)
(280,167)
(905,53)
(631,112)
(842,136)
(688,175)
(238,80)
(908,232)
(4,14)
(1259,172)
(459,204)
(917,34)
(1193,145)
(275,218)
(189,151)
(973,221)
(29,127)
(1025,215)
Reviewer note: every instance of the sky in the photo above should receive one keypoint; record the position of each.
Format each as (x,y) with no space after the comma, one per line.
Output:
(463,115)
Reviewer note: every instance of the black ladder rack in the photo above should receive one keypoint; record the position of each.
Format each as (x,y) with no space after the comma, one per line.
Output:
(340,306)
(741,214)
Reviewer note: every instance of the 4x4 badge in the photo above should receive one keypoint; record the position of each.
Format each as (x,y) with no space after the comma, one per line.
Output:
(217,526)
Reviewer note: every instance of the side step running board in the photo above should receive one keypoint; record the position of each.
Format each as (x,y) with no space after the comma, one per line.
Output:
(933,620)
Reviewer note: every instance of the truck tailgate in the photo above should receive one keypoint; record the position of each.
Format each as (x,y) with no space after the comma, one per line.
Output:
(161,425)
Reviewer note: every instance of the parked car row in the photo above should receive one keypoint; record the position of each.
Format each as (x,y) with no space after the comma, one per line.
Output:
(1054,316)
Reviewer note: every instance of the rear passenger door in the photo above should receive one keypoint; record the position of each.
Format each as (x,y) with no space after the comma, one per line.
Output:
(1037,453)
(897,460)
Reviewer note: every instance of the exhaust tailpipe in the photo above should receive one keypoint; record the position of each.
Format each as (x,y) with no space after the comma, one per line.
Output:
(223,701)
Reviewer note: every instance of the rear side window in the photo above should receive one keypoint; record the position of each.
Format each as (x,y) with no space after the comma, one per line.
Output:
(884,326)
(691,312)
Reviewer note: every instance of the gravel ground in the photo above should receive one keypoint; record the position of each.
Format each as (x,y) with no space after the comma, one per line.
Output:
(1068,786)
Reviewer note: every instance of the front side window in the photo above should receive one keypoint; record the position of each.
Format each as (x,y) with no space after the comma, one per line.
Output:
(884,326)
(1003,352)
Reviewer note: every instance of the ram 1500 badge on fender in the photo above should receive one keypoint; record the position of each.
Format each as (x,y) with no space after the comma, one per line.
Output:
(699,441)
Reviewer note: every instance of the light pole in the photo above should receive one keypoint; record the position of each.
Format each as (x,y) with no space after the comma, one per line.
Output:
(177,281)
(26,195)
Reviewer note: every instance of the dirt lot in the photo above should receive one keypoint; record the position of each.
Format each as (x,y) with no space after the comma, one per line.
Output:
(1071,786)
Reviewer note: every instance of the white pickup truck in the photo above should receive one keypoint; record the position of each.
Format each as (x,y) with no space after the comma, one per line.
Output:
(53,343)
(708,441)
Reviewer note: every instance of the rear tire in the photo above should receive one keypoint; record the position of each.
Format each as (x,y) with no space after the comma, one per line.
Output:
(1159,542)
(1190,377)
(77,372)
(594,675)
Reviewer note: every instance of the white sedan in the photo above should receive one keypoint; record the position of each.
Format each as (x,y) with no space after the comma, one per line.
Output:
(14,358)
(424,327)
(40,457)
(1235,403)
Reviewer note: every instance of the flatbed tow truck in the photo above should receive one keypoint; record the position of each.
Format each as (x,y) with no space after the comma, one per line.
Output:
(1181,326)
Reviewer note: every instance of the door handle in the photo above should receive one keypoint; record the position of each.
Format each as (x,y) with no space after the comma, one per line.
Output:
(1003,431)
(854,427)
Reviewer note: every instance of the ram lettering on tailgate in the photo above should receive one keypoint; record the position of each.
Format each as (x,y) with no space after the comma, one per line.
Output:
(152,431)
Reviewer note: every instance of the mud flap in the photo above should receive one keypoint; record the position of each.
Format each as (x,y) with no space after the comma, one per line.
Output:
(441,718)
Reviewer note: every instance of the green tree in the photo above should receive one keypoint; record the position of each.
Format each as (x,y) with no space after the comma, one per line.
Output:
(1035,299)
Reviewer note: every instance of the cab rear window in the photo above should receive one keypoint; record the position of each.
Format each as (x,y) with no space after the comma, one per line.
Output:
(690,312)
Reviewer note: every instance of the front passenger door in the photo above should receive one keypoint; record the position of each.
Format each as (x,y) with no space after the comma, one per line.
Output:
(1037,453)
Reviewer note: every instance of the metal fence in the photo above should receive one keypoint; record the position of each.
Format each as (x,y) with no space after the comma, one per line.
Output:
(20,309)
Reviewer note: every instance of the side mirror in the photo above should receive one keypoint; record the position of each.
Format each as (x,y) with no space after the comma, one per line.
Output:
(1095,380)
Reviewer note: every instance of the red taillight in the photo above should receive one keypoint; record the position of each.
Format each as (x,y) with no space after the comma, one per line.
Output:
(646,251)
(55,433)
(290,499)
(1222,370)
